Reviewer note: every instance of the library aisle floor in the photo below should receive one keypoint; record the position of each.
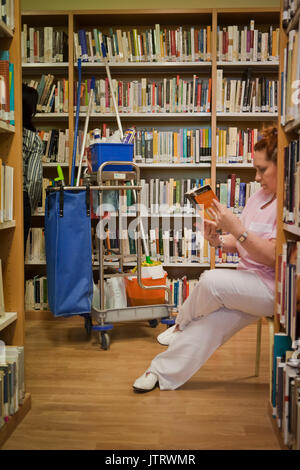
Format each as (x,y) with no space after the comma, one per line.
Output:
(82,396)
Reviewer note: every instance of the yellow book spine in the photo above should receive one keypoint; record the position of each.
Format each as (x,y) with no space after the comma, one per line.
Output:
(175,146)
(208,45)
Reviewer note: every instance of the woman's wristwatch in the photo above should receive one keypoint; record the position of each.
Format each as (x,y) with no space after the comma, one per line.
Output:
(242,237)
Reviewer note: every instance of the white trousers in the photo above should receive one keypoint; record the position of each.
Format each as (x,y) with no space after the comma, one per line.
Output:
(223,302)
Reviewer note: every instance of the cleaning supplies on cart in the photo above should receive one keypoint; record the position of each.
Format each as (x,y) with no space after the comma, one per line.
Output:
(153,274)
(114,294)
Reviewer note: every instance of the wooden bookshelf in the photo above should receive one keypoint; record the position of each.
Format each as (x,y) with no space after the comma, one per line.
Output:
(13,421)
(285,232)
(74,20)
(11,232)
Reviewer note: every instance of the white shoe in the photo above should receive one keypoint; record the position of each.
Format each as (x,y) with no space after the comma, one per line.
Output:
(146,382)
(167,336)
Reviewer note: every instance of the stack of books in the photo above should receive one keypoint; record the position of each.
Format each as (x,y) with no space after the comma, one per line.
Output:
(12,385)
(246,94)
(36,293)
(286,390)
(181,146)
(288,289)
(52,97)
(290,103)
(7,99)
(247,44)
(169,95)
(291,196)
(35,247)
(6,192)
(183,44)
(55,145)
(43,45)
(236,145)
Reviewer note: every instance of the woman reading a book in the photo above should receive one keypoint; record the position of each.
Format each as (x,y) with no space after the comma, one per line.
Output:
(225,301)
(32,158)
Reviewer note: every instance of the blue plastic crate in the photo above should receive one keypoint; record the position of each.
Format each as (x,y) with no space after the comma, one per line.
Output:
(108,152)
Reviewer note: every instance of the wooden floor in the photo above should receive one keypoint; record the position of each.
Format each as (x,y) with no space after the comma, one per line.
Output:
(82,396)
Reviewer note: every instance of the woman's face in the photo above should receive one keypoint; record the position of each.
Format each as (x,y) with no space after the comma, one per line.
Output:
(266,172)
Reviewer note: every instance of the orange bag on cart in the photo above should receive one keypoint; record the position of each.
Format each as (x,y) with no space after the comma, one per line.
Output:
(137,296)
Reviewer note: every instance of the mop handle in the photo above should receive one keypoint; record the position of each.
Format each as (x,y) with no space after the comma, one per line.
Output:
(141,224)
(76,123)
(111,89)
(86,124)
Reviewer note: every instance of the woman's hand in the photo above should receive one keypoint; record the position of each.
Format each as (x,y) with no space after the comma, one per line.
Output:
(226,220)
(210,232)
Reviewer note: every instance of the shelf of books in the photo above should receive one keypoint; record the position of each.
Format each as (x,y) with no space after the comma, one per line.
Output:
(14,402)
(286,349)
(196,85)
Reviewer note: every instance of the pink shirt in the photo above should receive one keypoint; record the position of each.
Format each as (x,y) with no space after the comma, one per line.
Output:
(262,222)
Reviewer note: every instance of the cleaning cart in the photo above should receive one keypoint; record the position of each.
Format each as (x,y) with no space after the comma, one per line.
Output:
(105,318)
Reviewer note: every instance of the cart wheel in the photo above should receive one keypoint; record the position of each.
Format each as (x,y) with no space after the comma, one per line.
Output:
(88,324)
(104,340)
(153,323)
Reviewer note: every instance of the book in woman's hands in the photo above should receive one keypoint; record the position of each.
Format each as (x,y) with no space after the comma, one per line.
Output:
(205,196)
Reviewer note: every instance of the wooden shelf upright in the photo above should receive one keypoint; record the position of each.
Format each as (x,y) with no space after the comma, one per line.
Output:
(11,233)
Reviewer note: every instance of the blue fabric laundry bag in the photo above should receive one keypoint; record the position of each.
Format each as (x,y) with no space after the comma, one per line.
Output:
(69,251)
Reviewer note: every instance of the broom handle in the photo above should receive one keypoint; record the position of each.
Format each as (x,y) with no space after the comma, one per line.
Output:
(111,89)
(86,124)
(141,224)
(76,123)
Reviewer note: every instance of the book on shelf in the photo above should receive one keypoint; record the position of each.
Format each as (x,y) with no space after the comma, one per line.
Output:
(8,13)
(176,245)
(247,94)
(291,197)
(288,289)
(40,209)
(52,97)
(35,247)
(181,289)
(174,146)
(158,44)
(168,95)
(55,145)
(36,293)
(6,192)
(235,145)
(43,45)
(241,43)
(6,88)
(290,106)
(12,382)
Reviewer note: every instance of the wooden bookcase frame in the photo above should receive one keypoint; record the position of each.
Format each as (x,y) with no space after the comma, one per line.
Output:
(76,19)
(11,233)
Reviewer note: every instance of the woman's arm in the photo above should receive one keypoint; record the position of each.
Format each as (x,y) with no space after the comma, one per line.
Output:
(260,249)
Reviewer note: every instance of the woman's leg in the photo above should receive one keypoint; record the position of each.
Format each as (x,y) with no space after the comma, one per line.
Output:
(233,289)
(195,345)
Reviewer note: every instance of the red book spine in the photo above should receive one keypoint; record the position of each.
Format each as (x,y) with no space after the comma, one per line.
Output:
(199,90)
(173,43)
(232,190)
(241,143)
(4,71)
